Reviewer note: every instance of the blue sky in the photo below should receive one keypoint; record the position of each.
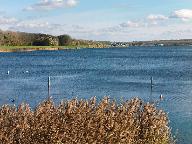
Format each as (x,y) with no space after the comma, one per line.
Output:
(114,20)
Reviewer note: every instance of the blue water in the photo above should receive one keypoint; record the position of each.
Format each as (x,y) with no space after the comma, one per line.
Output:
(118,73)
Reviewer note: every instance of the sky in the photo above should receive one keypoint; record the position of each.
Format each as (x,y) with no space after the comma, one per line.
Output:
(110,20)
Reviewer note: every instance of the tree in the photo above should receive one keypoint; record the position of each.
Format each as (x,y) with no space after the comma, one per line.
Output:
(41,43)
(64,40)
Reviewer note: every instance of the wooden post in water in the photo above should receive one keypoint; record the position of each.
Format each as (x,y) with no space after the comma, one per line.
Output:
(151,89)
(49,87)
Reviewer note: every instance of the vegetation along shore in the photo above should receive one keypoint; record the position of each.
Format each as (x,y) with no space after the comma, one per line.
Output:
(21,41)
(85,121)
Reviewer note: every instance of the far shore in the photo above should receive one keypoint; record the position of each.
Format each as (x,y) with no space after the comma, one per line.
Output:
(52,48)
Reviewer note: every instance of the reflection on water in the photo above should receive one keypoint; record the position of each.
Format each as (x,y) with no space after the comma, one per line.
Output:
(118,73)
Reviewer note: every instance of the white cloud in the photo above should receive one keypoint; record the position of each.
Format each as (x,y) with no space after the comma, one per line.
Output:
(32,25)
(129,24)
(7,20)
(51,4)
(37,26)
(2,11)
(153,17)
(184,14)
(112,32)
(154,26)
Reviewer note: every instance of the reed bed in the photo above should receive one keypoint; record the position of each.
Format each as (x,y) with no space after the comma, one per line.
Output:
(84,122)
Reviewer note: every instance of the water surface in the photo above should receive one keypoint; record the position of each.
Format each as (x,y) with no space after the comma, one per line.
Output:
(116,72)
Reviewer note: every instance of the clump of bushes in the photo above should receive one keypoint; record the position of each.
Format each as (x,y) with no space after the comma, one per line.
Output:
(64,40)
(84,121)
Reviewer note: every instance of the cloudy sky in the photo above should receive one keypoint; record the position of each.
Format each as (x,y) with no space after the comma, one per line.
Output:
(114,20)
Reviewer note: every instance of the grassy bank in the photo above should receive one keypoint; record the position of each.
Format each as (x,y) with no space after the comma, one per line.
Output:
(85,121)
(35,48)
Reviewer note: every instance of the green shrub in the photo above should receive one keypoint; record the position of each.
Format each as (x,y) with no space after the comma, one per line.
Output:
(64,40)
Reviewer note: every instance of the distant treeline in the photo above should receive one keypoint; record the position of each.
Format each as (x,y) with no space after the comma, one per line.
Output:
(181,42)
(9,38)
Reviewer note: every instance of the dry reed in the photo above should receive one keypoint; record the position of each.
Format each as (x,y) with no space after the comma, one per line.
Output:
(84,122)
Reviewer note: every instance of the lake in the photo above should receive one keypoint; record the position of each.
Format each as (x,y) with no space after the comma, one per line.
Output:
(121,73)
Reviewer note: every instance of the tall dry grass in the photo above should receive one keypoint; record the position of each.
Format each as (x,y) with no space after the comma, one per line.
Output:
(84,122)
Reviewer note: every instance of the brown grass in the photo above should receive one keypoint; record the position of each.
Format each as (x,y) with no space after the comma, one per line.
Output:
(84,122)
